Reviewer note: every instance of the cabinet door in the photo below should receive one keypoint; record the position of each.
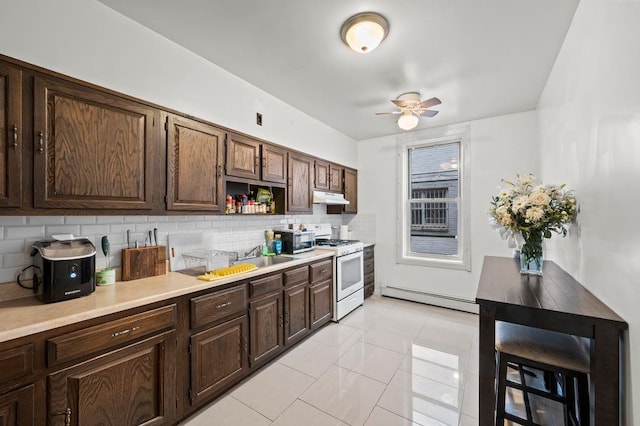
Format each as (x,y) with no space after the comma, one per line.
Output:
(321,175)
(296,313)
(351,190)
(218,358)
(299,193)
(194,165)
(335,178)
(92,150)
(16,408)
(274,164)
(130,386)
(265,328)
(321,303)
(11,142)
(243,157)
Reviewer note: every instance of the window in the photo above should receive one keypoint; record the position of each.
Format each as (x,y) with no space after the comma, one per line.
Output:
(433,213)
(428,216)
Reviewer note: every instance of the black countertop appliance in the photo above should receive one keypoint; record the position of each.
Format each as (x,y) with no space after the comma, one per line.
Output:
(67,268)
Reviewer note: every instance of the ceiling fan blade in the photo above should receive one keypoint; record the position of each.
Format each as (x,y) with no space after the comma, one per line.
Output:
(390,112)
(429,103)
(400,103)
(428,113)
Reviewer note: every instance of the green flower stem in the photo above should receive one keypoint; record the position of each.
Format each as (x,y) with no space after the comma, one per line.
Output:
(532,247)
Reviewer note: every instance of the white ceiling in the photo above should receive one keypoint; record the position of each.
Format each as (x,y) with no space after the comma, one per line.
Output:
(482,58)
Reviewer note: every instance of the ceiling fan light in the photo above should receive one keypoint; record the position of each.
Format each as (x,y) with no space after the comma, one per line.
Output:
(407,121)
(364,32)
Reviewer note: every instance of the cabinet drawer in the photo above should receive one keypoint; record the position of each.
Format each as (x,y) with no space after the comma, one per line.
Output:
(265,285)
(104,336)
(368,253)
(213,307)
(322,271)
(296,276)
(368,266)
(16,362)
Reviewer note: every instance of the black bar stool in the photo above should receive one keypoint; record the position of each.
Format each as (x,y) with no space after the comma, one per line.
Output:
(556,355)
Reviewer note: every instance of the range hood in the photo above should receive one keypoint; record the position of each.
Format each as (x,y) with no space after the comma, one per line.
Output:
(320,197)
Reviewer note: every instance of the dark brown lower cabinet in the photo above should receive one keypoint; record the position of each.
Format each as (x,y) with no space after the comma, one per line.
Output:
(218,358)
(369,271)
(265,328)
(321,303)
(129,386)
(156,365)
(296,313)
(16,407)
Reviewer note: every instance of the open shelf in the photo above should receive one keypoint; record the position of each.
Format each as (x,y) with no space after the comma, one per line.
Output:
(238,187)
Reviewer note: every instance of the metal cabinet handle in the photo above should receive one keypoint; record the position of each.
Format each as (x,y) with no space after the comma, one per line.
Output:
(41,140)
(123,332)
(67,416)
(220,170)
(14,129)
(223,305)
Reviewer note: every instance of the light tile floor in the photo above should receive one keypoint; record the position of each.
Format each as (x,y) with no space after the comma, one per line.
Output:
(390,362)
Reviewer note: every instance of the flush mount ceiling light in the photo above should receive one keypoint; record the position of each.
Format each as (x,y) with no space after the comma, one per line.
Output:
(364,32)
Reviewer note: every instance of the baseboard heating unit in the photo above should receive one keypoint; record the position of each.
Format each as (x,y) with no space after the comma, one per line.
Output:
(435,299)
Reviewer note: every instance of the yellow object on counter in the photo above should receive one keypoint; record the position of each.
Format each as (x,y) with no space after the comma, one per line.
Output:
(227,271)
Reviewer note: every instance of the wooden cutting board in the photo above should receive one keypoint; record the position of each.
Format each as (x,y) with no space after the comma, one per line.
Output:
(143,262)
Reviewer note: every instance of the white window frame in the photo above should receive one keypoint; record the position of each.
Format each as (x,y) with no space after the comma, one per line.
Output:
(434,137)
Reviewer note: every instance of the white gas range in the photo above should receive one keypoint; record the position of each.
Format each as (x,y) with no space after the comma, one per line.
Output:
(348,271)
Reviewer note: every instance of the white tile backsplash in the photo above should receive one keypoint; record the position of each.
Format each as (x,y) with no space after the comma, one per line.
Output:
(80,220)
(236,233)
(62,229)
(22,232)
(13,220)
(45,220)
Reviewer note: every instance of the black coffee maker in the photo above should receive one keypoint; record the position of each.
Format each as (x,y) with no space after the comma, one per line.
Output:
(67,268)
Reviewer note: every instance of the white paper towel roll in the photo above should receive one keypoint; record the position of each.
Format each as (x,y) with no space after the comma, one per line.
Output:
(344,232)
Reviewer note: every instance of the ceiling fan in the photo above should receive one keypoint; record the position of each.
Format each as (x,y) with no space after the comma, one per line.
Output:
(411,107)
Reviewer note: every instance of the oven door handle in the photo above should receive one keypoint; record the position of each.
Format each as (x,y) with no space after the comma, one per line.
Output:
(350,256)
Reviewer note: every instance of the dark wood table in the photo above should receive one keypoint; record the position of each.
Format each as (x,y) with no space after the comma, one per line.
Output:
(555,301)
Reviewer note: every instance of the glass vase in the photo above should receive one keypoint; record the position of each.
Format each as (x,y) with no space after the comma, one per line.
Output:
(531,256)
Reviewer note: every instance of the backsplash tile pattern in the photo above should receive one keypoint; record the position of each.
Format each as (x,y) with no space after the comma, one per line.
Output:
(234,233)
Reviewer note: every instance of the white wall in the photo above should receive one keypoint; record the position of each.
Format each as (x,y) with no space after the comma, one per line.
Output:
(590,138)
(499,147)
(89,41)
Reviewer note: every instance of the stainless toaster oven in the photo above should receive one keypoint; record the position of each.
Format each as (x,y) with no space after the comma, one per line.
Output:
(294,242)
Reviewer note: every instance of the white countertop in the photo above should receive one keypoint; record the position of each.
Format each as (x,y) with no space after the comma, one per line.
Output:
(29,315)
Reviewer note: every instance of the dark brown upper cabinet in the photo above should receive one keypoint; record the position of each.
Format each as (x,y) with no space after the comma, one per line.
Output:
(335,178)
(243,157)
(351,190)
(274,164)
(321,181)
(92,150)
(194,165)
(11,142)
(299,187)
(251,159)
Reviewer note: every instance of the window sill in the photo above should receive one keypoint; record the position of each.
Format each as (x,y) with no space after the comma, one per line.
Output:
(434,262)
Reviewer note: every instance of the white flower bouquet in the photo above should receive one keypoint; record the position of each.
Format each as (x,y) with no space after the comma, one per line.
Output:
(527,210)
